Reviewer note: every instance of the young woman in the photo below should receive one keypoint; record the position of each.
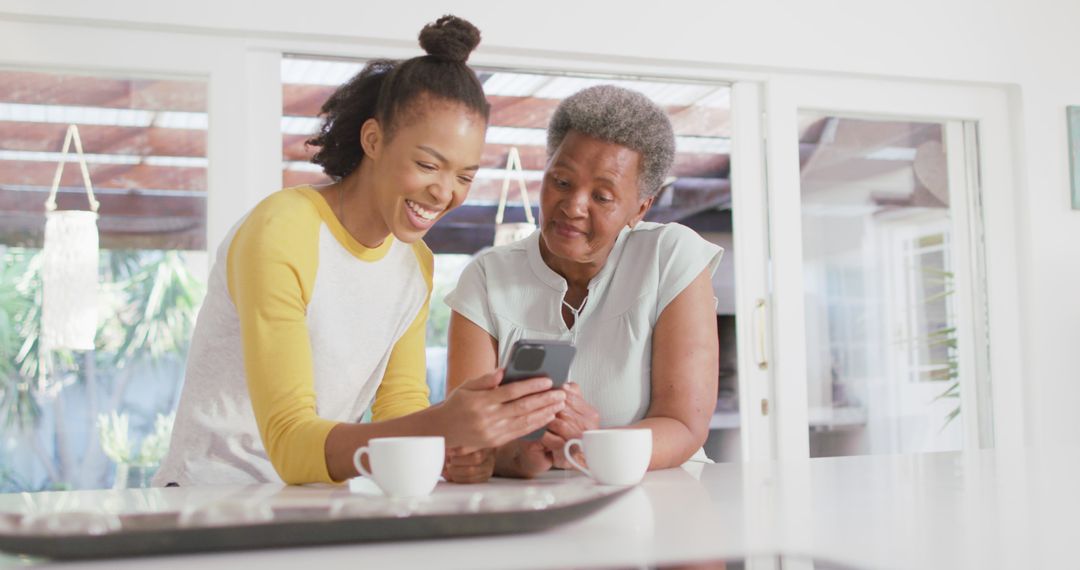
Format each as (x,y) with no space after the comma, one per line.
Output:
(317,304)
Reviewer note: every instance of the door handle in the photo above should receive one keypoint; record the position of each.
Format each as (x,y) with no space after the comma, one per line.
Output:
(759,333)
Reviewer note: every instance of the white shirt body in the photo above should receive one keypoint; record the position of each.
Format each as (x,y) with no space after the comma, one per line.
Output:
(355,311)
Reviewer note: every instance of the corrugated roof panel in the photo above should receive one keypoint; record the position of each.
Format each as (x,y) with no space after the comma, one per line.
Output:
(300,125)
(515,84)
(69,114)
(318,71)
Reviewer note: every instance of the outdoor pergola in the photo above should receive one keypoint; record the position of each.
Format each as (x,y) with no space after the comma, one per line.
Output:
(146,144)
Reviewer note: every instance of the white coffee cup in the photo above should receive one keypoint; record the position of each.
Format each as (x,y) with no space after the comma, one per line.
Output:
(403,466)
(615,456)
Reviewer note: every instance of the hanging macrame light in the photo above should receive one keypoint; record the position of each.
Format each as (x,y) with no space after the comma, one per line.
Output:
(511,232)
(69,270)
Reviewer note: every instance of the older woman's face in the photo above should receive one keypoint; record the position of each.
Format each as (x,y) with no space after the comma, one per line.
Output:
(590,193)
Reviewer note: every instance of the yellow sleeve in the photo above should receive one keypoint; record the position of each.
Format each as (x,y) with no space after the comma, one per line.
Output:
(272,262)
(404,388)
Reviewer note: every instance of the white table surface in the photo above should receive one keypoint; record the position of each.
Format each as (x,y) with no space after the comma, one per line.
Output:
(987,509)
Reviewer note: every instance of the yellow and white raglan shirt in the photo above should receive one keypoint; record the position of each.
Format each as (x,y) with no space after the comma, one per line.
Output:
(302,328)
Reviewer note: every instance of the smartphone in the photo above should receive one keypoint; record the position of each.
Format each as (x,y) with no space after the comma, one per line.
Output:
(533,358)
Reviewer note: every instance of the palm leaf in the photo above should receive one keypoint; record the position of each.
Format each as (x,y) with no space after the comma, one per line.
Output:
(949,418)
(159,314)
(19,315)
(953,391)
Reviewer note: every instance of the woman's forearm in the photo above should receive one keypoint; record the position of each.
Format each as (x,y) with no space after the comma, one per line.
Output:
(479,414)
(345,438)
(673,441)
(684,382)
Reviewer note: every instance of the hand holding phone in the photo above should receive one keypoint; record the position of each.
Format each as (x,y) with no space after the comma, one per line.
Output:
(535,358)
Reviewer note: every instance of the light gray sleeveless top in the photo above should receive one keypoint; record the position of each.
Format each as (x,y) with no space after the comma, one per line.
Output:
(512,294)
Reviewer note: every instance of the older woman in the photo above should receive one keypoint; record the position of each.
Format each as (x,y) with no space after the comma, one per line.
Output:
(634,297)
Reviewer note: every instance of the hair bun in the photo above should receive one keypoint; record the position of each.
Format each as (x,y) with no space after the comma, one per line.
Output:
(450,38)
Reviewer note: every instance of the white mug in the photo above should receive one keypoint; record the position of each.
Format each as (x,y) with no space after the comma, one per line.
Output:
(403,466)
(615,456)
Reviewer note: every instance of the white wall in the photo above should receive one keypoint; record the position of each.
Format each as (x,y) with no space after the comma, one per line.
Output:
(1029,45)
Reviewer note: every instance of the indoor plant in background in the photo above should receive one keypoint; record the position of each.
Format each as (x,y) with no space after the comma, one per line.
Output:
(944,338)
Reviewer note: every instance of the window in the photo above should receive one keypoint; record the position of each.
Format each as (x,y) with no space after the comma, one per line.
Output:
(87,419)
(880,349)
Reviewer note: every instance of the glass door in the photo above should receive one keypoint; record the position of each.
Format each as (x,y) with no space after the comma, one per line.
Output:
(879,291)
(882,297)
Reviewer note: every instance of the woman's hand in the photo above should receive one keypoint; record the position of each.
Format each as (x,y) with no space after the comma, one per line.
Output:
(481,414)
(524,459)
(577,417)
(519,458)
(475,467)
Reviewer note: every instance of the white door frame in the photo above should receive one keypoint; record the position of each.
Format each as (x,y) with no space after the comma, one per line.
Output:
(958,107)
(749,199)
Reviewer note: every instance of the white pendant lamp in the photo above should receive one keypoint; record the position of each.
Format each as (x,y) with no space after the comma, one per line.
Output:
(69,271)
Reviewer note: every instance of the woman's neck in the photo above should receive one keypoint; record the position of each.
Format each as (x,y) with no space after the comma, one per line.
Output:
(355,203)
(577,275)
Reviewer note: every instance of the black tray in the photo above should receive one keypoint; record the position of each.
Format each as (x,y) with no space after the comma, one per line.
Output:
(144,534)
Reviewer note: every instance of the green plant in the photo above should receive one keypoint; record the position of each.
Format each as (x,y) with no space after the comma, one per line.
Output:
(148,303)
(943,339)
(156,444)
(20,311)
(952,392)
(113,432)
(157,314)
(9,480)
(447,269)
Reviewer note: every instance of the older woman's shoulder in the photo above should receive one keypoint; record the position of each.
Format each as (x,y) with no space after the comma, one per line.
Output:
(496,278)
(669,245)
(664,235)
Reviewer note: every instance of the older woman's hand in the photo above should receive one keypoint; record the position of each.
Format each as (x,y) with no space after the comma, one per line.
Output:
(521,458)
(577,417)
(475,467)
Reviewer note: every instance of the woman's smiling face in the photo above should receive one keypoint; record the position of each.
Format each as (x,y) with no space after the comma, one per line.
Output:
(424,168)
(589,194)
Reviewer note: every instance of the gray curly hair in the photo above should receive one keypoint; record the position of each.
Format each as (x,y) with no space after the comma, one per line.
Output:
(624,117)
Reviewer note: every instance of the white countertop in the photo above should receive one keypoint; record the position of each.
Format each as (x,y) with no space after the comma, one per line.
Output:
(988,509)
